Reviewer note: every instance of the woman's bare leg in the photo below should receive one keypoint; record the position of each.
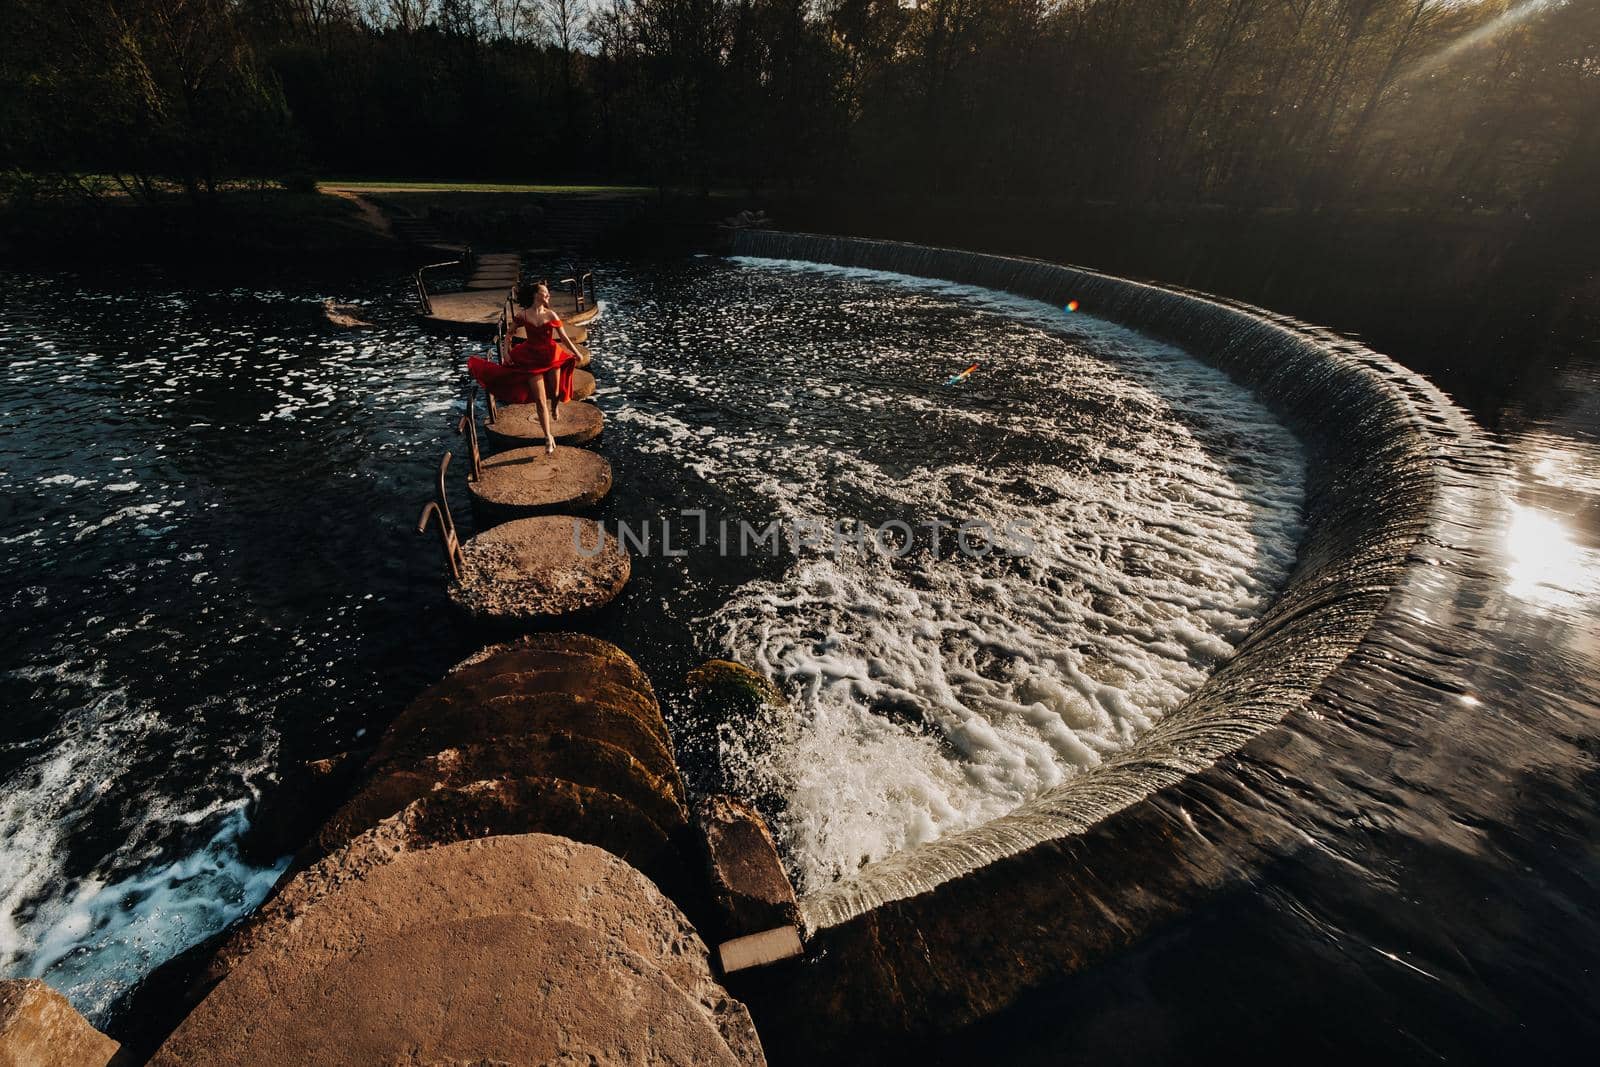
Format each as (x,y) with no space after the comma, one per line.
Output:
(543,401)
(552,385)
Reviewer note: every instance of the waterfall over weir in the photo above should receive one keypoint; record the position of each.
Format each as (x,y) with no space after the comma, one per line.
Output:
(1379,440)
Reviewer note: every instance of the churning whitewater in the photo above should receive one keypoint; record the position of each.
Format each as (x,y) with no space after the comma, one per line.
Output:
(936,691)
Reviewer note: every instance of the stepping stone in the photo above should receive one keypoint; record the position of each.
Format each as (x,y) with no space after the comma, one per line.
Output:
(502,282)
(534,569)
(463,707)
(518,425)
(526,481)
(573,651)
(518,990)
(581,760)
(543,805)
(375,887)
(549,712)
(477,311)
(487,989)
(582,385)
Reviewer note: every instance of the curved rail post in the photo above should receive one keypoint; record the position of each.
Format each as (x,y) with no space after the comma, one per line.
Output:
(469,426)
(440,509)
(422,283)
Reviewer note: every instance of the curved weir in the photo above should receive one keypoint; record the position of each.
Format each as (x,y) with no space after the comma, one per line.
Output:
(1373,434)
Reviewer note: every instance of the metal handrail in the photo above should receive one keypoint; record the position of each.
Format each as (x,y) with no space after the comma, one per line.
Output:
(422,285)
(580,288)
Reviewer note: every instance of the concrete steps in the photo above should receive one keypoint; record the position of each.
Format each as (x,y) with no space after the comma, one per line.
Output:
(577,225)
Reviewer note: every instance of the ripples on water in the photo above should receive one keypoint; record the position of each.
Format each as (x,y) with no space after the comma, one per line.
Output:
(937,691)
(210,567)
(202,496)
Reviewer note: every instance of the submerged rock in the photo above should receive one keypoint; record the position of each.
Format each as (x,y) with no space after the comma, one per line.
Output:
(748,884)
(740,719)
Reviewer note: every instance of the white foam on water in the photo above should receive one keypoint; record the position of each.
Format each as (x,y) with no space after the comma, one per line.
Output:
(934,694)
(94,936)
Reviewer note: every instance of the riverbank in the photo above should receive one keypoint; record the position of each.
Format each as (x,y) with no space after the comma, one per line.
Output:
(236,228)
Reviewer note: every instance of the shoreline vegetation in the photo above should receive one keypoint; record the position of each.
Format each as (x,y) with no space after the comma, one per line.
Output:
(1417,172)
(1470,295)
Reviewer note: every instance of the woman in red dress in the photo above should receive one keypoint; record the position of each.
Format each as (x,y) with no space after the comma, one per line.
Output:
(534,369)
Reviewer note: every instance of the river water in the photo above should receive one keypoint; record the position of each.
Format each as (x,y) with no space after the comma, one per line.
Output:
(211,570)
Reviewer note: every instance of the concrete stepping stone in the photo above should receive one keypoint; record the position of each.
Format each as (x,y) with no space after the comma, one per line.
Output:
(519,935)
(581,760)
(527,570)
(544,805)
(518,989)
(517,425)
(477,311)
(527,481)
(537,651)
(375,886)
(447,727)
(462,694)
(538,568)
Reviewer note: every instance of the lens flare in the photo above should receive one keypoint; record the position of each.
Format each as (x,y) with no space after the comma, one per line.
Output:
(1072,305)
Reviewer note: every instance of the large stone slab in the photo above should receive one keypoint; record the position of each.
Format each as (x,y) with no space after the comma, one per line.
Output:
(39,1028)
(544,950)
(570,757)
(540,712)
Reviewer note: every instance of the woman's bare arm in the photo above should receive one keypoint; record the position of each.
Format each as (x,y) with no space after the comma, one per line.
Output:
(572,346)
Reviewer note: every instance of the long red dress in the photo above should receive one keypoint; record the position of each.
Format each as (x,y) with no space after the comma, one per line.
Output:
(511,382)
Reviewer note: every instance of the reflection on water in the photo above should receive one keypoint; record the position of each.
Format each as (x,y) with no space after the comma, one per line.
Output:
(1544,564)
(1441,908)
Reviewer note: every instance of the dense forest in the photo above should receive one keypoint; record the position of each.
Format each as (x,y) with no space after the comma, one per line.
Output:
(1404,105)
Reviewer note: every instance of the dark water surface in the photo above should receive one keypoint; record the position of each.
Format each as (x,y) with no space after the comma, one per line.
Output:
(210,570)
(1442,908)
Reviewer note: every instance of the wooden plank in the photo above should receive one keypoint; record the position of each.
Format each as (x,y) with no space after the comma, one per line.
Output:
(758,950)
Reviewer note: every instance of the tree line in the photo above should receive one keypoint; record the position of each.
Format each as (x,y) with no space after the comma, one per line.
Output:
(1409,105)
